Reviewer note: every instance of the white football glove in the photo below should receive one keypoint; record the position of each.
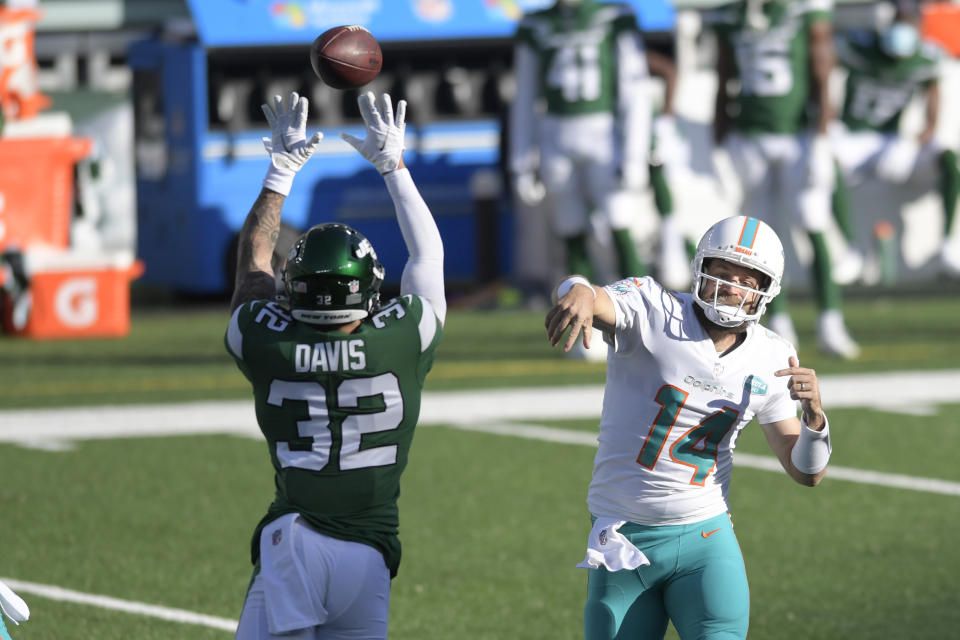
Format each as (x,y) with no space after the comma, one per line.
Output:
(383,146)
(289,148)
(529,188)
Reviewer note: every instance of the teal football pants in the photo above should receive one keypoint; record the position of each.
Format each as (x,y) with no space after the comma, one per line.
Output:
(696,578)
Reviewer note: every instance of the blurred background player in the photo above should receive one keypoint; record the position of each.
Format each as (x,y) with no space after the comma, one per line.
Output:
(580,123)
(774,126)
(687,372)
(337,378)
(669,155)
(885,70)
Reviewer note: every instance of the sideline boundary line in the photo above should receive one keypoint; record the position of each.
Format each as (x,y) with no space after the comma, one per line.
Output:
(53,592)
(752,461)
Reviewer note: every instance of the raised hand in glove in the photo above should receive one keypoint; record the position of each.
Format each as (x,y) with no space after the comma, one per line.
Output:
(288,146)
(529,188)
(383,146)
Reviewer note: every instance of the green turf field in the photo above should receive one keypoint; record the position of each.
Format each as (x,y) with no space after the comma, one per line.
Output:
(492,525)
(179,356)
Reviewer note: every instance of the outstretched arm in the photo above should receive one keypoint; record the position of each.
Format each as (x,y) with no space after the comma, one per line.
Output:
(663,67)
(258,237)
(579,307)
(423,273)
(524,159)
(822,60)
(383,146)
(933,112)
(289,149)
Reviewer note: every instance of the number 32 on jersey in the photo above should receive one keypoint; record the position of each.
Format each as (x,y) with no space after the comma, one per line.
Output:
(318,427)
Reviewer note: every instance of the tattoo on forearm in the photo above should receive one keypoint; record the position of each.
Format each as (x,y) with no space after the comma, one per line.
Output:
(258,238)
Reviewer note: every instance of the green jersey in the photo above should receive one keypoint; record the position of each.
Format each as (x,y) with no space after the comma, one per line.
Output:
(338,412)
(771,52)
(879,87)
(576,54)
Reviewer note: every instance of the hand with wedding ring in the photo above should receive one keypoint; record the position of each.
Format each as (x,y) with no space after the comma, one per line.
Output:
(804,387)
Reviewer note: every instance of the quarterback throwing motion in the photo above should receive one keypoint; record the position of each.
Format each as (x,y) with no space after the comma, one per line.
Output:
(337,377)
(685,374)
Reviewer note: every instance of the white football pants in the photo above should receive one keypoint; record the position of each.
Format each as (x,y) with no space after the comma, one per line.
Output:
(579,167)
(863,154)
(314,587)
(774,173)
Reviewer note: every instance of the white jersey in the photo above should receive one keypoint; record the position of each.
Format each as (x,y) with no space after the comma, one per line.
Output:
(673,408)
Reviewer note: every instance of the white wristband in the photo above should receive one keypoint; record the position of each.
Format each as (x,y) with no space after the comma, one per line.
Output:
(567,284)
(279,180)
(811,451)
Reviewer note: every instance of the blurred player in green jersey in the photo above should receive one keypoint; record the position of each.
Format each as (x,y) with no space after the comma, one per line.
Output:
(580,124)
(773,63)
(886,70)
(585,62)
(337,377)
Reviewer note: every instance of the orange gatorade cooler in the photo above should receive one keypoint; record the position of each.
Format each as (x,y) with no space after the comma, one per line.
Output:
(36,190)
(76,295)
(19,94)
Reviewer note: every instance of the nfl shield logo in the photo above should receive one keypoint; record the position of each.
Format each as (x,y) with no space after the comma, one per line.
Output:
(277,537)
(718,370)
(354,286)
(603,536)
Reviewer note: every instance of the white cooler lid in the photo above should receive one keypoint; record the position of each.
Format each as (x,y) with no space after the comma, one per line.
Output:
(41,259)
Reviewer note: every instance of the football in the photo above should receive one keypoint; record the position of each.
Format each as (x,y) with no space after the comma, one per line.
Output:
(346,57)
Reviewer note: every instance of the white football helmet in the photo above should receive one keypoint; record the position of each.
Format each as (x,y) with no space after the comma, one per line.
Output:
(744,241)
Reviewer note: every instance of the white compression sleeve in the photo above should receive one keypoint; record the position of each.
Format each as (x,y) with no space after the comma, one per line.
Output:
(811,451)
(423,273)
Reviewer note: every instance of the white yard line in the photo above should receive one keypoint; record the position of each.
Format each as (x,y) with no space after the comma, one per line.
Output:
(52,592)
(499,411)
(765,463)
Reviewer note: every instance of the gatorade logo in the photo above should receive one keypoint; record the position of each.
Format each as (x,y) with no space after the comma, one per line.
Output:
(76,302)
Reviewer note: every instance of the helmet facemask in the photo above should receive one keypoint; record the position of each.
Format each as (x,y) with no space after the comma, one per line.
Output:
(751,307)
(746,242)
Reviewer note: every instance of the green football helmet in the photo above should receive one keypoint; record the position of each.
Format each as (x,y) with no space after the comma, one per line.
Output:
(332,275)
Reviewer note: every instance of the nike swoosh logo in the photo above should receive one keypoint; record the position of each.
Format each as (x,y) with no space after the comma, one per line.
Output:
(707,534)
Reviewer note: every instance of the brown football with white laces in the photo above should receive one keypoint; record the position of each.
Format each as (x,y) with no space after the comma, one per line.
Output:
(346,57)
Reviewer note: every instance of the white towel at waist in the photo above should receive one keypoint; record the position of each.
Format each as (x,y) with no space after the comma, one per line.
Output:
(608,548)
